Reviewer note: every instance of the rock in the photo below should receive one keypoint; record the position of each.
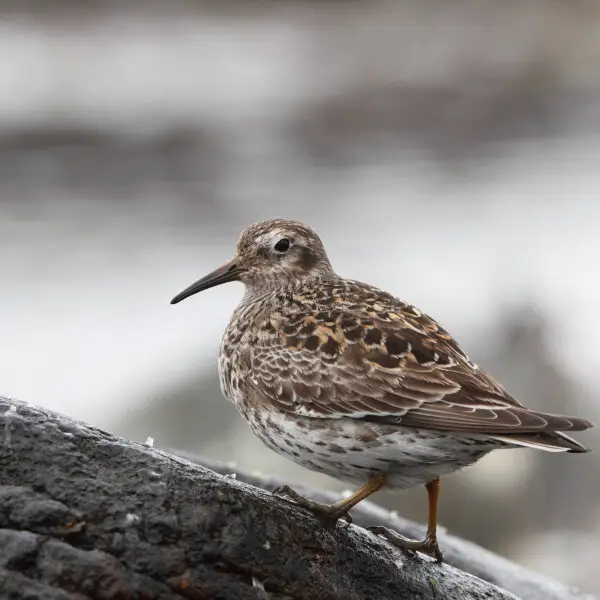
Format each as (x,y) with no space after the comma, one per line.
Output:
(84,514)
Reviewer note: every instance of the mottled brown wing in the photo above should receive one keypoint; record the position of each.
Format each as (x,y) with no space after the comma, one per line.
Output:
(402,368)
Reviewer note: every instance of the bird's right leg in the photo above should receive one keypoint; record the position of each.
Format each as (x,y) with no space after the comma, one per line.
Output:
(430,543)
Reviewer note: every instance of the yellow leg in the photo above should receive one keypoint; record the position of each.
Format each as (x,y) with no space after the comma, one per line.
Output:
(433,495)
(338,509)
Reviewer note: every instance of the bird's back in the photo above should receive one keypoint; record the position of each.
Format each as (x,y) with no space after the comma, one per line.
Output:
(339,348)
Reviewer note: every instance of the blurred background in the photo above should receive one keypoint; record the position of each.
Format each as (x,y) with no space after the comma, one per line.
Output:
(448,152)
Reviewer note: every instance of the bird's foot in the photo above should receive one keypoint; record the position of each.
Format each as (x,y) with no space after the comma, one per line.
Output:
(329,513)
(429,545)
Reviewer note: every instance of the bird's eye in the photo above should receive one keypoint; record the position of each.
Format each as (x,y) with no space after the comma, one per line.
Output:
(283,245)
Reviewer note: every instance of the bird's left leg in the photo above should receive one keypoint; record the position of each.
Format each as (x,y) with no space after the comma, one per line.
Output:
(430,543)
(337,510)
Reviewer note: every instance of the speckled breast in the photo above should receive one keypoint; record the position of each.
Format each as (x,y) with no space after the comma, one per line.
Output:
(234,353)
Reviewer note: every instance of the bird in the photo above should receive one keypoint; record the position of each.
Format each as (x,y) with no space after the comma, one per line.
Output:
(345,379)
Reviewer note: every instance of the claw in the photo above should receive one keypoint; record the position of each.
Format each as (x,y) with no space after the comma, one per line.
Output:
(433,549)
(428,546)
(326,512)
(282,490)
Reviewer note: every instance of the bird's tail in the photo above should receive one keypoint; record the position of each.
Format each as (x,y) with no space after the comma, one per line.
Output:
(550,441)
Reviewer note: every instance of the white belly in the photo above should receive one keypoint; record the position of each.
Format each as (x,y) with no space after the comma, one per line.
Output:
(353,450)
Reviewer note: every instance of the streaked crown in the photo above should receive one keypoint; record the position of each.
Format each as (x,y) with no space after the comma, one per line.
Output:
(280,252)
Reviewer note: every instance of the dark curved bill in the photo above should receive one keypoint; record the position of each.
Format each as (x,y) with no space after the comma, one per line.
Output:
(224,274)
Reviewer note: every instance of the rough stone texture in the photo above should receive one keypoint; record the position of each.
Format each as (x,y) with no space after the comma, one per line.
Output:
(459,553)
(86,515)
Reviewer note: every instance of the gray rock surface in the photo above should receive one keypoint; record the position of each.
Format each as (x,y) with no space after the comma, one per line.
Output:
(84,514)
(459,553)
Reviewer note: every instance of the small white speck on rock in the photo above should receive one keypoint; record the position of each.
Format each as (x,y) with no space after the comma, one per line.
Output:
(131,519)
(267,545)
(258,584)
(9,416)
(231,475)
(149,442)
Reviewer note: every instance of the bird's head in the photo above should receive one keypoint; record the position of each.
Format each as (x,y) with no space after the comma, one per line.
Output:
(268,255)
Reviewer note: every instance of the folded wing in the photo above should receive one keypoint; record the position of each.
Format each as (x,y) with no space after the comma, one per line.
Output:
(399,367)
